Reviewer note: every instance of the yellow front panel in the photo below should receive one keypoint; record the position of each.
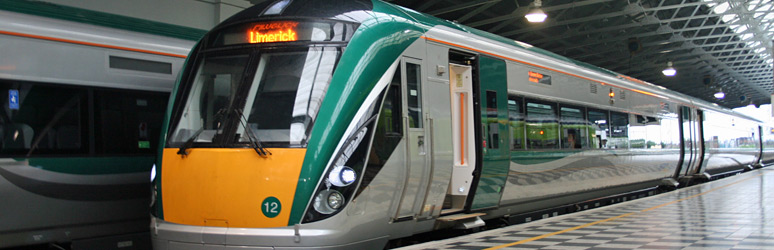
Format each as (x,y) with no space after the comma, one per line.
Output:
(226,187)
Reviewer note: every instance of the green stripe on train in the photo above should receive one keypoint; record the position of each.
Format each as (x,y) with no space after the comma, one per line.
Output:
(94,165)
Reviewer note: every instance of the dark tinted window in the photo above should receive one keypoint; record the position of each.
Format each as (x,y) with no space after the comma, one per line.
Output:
(128,122)
(414,95)
(493,131)
(46,119)
(43,119)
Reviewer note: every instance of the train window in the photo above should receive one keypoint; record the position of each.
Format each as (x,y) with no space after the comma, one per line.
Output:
(390,115)
(574,127)
(542,125)
(414,94)
(40,119)
(516,123)
(286,94)
(644,132)
(598,128)
(128,122)
(209,98)
(492,124)
(619,130)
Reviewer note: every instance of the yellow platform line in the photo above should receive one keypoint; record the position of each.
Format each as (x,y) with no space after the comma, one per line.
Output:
(618,217)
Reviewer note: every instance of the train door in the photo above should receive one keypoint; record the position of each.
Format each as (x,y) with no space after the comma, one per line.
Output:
(491,174)
(700,165)
(691,143)
(416,148)
(759,161)
(461,77)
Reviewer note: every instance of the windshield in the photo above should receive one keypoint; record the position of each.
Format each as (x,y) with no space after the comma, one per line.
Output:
(211,94)
(278,104)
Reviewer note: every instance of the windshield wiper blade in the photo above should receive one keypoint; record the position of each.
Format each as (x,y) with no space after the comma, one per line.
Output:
(188,143)
(184,148)
(254,141)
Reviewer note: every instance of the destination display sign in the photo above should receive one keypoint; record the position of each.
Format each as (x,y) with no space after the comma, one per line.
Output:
(286,31)
(539,78)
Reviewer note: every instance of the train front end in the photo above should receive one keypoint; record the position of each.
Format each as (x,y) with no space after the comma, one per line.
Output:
(268,129)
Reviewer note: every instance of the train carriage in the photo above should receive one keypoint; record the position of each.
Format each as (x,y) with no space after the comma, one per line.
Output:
(345,124)
(83,100)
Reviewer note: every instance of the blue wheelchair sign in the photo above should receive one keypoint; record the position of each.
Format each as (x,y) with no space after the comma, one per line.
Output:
(13,99)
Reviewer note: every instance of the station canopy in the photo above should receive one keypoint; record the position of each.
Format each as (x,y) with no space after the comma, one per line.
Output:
(715,45)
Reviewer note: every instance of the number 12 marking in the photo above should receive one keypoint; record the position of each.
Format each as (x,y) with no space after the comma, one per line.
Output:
(271,207)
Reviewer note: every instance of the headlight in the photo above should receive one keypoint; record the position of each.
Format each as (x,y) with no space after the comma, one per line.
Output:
(154,192)
(335,200)
(342,176)
(328,201)
(153,173)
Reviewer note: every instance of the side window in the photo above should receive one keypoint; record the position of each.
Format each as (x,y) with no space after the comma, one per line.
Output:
(493,127)
(598,128)
(619,130)
(644,132)
(128,122)
(516,123)
(414,95)
(390,114)
(39,119)
(542,126)
(574,127)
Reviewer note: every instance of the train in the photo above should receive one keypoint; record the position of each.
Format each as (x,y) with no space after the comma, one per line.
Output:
(347,124)
(84,95)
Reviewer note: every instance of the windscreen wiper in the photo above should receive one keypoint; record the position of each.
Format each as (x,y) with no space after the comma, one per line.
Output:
(184,148)
(255,143)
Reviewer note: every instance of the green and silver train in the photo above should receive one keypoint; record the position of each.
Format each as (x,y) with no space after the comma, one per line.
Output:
(83,98)
(303,124)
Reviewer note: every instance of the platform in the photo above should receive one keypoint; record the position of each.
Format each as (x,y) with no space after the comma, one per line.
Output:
(731,213)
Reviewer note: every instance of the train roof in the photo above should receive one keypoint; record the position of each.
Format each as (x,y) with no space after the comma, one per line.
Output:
(358,11)
(50,10)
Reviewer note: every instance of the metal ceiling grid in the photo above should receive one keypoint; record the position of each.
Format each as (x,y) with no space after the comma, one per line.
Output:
(714,44)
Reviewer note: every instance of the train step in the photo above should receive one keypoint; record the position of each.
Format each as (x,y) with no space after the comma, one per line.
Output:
(457,217)
(464,221)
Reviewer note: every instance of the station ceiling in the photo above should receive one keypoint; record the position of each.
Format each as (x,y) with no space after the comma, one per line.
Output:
(714,44)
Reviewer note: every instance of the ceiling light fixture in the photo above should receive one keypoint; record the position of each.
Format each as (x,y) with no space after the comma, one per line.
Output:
(720,94)
(669,71)
(535,14)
